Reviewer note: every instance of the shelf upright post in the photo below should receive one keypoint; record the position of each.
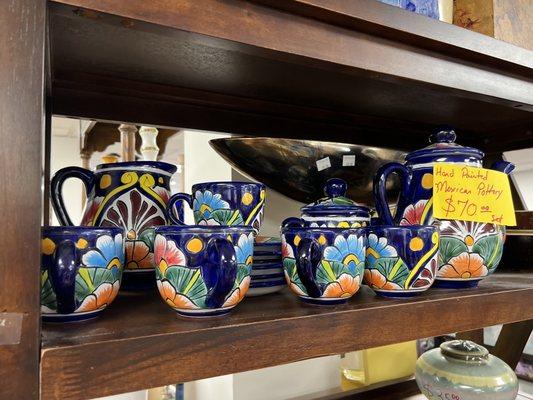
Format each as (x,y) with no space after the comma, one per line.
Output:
(22,55)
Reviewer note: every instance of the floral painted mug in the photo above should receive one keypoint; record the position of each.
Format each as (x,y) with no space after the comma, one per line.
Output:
(401,261)
(323,265)
(203,270)
(81,270)
(223,203)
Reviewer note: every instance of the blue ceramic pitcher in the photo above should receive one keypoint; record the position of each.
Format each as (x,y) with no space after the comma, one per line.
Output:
(469,251)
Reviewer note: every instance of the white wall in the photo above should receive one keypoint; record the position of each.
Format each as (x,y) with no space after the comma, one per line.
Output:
(522,176)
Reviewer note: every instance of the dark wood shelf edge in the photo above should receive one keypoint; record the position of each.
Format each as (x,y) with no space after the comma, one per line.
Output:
(99,368)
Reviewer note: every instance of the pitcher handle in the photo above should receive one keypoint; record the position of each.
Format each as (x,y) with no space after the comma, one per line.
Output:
(56,187)
(175,212)
(62,274)
(309,256)
(380,189)
(220,271)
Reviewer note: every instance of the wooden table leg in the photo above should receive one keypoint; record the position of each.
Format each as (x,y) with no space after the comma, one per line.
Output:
(511,342)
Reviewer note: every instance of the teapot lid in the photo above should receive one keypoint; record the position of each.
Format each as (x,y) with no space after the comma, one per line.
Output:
(335,201)
(443,145)
(464,350)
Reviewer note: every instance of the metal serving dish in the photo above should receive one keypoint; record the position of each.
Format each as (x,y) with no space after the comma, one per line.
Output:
(289,166)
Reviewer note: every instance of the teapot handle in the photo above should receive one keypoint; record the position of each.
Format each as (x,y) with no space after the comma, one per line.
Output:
(380,189)
(56,187)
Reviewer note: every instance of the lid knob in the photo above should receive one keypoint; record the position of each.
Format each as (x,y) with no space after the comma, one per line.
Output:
(335,187)
(444,134)
(464,350)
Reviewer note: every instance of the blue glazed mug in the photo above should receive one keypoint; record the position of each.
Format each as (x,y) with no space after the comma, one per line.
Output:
(223,203)
(81,270)
(401,261)
(203,270)
(323,265)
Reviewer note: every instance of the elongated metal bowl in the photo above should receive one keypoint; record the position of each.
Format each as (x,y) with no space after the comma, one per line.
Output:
(298,169)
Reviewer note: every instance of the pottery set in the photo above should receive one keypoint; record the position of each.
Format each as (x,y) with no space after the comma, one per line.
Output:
(461,369)
(469,251)
(267,269)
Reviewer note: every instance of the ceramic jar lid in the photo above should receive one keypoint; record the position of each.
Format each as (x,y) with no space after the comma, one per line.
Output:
(335,203)
(443,146)
(464,350)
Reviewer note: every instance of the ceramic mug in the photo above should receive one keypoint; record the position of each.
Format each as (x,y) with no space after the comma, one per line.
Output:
(323,265)
(222,203)
(81,270)
(401,261)
(203,270)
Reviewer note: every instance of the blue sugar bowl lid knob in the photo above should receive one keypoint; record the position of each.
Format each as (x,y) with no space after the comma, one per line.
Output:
(444,134)
(335,187)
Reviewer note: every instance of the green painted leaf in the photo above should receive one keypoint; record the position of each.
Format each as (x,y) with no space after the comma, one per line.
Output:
(187,281)
(491,249)
(289,264)
(227,217)
(88,279)
(450,247)
(48,297)
(329,271)
(394,269)
(148,237)
(243,271)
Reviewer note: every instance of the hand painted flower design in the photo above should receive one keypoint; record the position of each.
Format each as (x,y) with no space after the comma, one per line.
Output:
(345,286)
(163,193)
(244,249)
(238,293)
(349,251)
(167,254)
(414,214)
(109,253)
(465,266)
(286,249)
(173,299)
(375,279)
(206,202)
(378,248)
(90,211)
(138,255)
(100,298)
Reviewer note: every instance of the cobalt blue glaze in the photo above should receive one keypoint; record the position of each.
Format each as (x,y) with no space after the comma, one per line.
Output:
(223,203)
(278,282)
(203,270)
(81,269)
(401,261)
(129,195)
(323,264)
(469,251)
(268,276)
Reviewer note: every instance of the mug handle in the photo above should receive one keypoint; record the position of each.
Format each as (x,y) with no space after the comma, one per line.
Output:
(380,189)
(292,222)
(56,188)
(220,271)
(309,256)
(177,217)
(62,274)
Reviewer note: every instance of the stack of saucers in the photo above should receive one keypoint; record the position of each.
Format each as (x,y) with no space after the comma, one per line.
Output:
(267,268)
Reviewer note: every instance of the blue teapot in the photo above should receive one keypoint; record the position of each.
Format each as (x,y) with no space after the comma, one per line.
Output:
(469,251)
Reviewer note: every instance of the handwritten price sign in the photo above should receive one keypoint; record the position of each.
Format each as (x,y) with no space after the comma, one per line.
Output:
(472,194)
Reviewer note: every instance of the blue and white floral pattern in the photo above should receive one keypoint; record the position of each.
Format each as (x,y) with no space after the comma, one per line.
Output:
(109,253)
(378,248)
(350,252)
(206,202)
(244,249)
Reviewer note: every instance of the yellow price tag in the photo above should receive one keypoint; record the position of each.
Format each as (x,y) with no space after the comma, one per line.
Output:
(472,194)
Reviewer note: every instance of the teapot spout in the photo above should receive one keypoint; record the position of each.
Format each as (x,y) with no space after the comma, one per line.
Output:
(503,166)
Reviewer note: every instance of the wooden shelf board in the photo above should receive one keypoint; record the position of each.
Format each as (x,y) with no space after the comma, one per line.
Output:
(293,68)
(139,342)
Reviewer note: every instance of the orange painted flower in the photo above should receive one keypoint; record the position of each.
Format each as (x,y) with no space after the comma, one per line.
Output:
(465,265)
(295,288)
(238,294)
(138,255)
(345,286)
(375,279)
(167,254)
(173,299)
(100,298)
(413,213)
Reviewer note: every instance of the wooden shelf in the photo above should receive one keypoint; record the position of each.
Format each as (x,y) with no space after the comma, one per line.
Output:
(363,72)
(139,342)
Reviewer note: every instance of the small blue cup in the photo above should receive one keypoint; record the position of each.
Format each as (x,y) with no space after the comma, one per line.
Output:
(81,270)
(203,270)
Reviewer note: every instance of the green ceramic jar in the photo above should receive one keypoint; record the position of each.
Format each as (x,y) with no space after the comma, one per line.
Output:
(464,370)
